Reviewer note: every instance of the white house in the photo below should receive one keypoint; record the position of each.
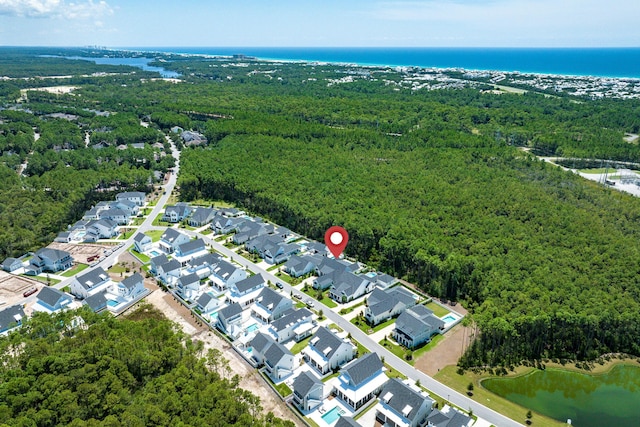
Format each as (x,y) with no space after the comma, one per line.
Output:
(130,287)
(360,380)
(136,197)
(207,303)
(270,305)
(93,282)
(308,391)
(294,324)
(188,286)
(51,300)
(171,239)
(245,291)
(326,351)
(226,274)
(142,242)
(401,405)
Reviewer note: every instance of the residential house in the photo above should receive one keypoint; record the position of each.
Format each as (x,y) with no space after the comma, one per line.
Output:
(131,208)
(347,422)
(190,249)
(193,138)
(136,197)
(230,320)
(226,274)
(248,230)
(142,242)
(188,286)
(326,351)
(383,305)
(91,214)
(280,253)
(259,245)
(10,318)
(400,405)
(349,286)
(100,229)
(448,417)
(231,212)
(298,266)
(329,270)
(51,300)
(207,303)
(202,216)
(360,381)
(90,283)
(118,216)
(203,265)
(225,225)
(176,213)
(51,260)
(96,302)
(317,248)
(245,291)
(171,239)
(385,281)
(156,262)
(131,287)
(12,264)
(169,272)
(308,391)
(278,361)
(270,305)
(294,324)
(415,326)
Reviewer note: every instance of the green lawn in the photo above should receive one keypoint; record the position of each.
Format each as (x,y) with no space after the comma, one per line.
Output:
(361,349)
(293,281)
(401,351)
(75,270)
(273,267)
(395,349)
(348,310)
(155,234)
(207,231)
(334,375)
(158,221)
(220,238)
(43,279)
(597,171)
(364,327)
(392,373)
(137,221)
(313,292)
(422,350)
(117,268)
(335,327)
(142,257)
(283,389)
(297,347)
(438,310)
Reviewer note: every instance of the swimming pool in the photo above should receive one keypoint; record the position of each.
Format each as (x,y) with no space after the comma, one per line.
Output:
(333,415)
(371,274)
(449,318)
(154,253)
(112,303)
(253,328)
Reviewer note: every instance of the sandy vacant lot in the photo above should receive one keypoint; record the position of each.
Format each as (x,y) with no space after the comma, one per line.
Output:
(251,379)
(447,352)
(12,288)
(80,253)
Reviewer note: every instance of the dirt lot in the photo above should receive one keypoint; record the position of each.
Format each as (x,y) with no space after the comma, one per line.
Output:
(251,379)
(447,352)
(80,253)
(12,287)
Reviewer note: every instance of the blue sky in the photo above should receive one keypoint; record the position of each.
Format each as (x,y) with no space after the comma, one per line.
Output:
(447,23)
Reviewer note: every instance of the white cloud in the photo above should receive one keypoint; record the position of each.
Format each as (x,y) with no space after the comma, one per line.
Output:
(55,9)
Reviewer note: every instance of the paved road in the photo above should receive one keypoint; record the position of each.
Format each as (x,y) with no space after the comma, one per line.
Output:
(110,260)
(394,361)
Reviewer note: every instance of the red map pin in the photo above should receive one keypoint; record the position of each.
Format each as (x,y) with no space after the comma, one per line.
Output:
(336,239)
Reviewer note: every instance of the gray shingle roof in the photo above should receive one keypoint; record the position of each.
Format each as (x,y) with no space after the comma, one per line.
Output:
(260,342)
(159,260)
(202,214)
(326,340)
(269,298)
(363,368)
(403,399)
(251,282)
(92,278)
(208,259)
(6,264)
(140,237)
(131,281)
(451,419)
(189,278)
(96,301)
(10,315)
(170,235)
(224,269)
(416,320)
(275,353)
(191,246)
(291,318)
(230,311)
(347,422)
(53,254)
(51,296)
(305,382)
(205,299)
(171,265)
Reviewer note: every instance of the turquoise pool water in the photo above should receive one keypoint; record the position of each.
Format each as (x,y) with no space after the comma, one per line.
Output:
(154,253)
(333,415)
(448,319)
(371,274)
(253,328)
(112,303)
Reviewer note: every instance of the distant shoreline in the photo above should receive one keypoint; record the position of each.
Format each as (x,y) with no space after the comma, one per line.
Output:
(614,63)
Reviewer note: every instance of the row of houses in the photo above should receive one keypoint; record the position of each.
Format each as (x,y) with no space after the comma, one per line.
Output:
(96,289)
(43,260)
(102,220)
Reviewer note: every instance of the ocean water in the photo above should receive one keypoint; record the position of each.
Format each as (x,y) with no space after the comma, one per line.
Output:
(601,62)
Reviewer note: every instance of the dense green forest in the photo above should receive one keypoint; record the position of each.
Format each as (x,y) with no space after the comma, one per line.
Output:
(440,187)
(118,372)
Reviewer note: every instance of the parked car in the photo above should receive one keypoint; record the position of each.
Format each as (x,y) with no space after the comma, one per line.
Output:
(279,285)
(309,303)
